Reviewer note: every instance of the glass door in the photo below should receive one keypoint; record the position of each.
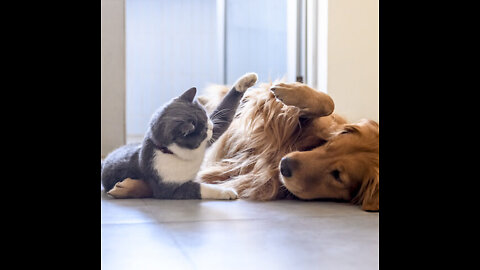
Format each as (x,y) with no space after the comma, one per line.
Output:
(256,39)
(172,45)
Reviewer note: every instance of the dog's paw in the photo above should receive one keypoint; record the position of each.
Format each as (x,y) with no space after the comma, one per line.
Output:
(211,191)
(288,93)
(119,191)
(245,82)
(130,188)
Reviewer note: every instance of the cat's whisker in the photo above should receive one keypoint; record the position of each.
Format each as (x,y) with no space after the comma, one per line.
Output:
(219,121)
(211,141)
(219,113)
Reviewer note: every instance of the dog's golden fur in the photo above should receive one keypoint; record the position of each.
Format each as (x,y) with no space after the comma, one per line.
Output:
(247,155)
(327,157)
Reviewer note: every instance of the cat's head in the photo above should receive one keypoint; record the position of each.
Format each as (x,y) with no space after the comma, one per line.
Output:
(183,121)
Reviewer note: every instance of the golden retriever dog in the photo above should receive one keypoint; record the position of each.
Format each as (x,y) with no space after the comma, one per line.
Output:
(286,142)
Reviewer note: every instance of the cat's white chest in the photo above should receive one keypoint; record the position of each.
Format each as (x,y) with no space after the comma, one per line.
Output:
(180,167)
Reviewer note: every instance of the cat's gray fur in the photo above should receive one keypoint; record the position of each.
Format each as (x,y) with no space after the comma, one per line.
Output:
(177,130)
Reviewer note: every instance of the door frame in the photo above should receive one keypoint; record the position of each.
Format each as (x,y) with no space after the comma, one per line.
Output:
(113,69)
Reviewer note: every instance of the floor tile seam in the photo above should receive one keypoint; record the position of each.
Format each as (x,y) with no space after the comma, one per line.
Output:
(248,219)
(170,234)
(129,223)
(230,220)
(182,249)
(336,215)
(178,221)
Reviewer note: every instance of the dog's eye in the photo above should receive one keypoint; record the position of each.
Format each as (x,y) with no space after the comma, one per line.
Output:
(336,175)
(350,129)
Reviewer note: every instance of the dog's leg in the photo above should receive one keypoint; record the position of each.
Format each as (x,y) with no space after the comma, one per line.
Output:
(225,111)
(214,174)
(312,103)
(130,188)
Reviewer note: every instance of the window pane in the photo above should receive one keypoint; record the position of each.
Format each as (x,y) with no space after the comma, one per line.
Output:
(256,38)
(170,47)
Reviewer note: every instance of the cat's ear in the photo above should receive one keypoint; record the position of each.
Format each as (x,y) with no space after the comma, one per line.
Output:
(189,95)
(186,128)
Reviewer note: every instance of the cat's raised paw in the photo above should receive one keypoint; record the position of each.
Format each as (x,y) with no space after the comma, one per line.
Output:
(245,82)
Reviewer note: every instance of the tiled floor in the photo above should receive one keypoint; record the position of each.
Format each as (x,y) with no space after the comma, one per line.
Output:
(194,234)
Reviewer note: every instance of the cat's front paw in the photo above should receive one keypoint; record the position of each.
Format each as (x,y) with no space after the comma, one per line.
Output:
(245,82)
(228,194)
(211,191)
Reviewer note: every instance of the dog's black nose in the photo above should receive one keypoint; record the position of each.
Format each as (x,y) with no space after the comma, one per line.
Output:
(285,167)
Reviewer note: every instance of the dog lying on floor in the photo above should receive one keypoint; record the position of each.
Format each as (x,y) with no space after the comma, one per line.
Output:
(286,142)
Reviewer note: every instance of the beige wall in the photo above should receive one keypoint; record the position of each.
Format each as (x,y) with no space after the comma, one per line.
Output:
(112,75)
(353,58)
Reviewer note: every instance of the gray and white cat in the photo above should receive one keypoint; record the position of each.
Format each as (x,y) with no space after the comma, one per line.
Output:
(174,146)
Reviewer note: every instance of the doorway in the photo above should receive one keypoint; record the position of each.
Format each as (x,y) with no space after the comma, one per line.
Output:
(174,45)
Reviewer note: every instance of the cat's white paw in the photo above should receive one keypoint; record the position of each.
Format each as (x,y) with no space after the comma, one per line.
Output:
(245,82)
(228,194)
(210,191)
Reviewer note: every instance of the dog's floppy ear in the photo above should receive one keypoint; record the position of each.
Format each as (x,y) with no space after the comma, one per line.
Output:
(368,195)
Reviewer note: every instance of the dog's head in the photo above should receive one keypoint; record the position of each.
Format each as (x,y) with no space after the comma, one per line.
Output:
(346,167)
